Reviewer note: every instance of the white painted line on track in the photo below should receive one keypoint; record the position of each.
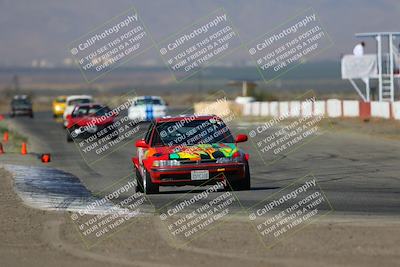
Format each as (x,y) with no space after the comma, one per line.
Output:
(51,189)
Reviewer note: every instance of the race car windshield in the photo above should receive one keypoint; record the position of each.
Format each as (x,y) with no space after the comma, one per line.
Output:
(79,101)
(20,102)
(91,111)
(192,133)
(60,99)
(148,101)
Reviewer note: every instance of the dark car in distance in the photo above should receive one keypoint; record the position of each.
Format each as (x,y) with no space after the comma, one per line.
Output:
(21,105)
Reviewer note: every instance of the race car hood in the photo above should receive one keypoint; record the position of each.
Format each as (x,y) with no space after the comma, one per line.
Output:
(22,106)
(91,121)
(196,152)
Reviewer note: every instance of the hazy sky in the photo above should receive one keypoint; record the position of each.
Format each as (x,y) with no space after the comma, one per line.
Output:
(42,29)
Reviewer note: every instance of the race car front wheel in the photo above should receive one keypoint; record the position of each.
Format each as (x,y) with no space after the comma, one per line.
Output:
(69,137)
(243,184)
(148,186)
(139,181)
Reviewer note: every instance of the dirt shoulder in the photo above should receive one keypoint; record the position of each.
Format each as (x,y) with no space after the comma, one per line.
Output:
(377,128)
(22,228)
(33,237)
(386,129)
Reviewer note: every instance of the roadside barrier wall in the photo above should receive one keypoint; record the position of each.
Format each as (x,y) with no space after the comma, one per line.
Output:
(333,108)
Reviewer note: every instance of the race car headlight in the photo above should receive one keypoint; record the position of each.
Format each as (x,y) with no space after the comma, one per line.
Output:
(163,163)
(236,157)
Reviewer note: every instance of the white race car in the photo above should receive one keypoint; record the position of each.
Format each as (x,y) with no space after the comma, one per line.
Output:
(73,100)
(146,108)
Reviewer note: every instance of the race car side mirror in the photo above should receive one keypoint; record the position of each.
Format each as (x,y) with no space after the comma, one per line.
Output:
(69,116)
(241,138)
(141,143)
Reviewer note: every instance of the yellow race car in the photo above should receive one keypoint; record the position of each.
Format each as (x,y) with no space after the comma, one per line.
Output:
(58,106)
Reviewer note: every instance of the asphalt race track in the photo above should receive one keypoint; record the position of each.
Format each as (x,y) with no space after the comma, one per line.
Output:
(358,174)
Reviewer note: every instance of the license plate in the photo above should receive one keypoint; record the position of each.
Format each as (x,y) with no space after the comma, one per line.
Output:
(200,175)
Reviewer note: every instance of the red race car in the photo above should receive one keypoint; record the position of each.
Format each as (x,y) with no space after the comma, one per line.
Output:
(190,150)
(88,119)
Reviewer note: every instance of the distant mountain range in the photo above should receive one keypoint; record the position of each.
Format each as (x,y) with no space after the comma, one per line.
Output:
(41,30)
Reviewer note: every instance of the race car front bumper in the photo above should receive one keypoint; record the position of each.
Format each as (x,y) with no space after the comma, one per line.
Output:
(181,175)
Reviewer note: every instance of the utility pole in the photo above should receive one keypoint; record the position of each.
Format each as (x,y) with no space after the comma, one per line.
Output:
(16,84)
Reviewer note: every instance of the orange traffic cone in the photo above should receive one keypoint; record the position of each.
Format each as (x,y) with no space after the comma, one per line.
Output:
(5,136)
(1,149)
(23,149)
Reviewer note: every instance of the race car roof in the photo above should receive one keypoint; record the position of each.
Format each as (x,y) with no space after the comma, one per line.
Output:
(89,105)
(192,117)
(73,97)
(20,97)
(148,97)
